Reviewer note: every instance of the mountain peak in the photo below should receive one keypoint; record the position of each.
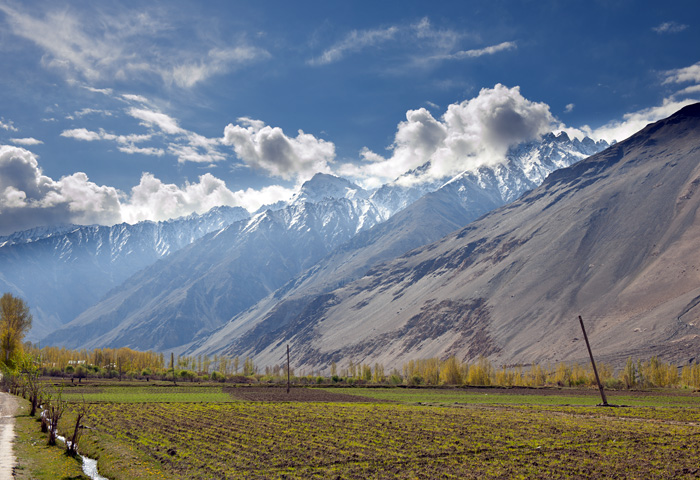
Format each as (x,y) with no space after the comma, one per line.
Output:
(324,186)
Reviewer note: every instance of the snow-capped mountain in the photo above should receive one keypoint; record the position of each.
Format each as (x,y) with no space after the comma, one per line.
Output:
(200,287)
(452,205)
(244,253)
(526,167)
(612,238)
(62,271)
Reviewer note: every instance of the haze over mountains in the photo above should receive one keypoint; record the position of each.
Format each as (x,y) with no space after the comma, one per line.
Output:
(343,274)
(252,257)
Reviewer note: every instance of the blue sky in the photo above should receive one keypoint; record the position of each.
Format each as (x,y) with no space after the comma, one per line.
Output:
(131,111)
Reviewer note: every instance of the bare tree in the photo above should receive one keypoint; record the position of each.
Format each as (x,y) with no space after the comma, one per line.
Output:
(81,414)
(55,406)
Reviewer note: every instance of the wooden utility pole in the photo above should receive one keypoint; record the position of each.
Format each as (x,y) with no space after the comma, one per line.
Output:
(288,375)
(595,370)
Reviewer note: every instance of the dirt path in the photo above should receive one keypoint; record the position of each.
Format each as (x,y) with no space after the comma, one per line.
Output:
(8,406)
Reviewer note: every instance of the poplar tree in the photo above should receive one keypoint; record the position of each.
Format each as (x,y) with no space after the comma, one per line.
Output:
(15,322)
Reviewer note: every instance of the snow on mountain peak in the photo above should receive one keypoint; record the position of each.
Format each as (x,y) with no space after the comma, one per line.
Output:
(324,186)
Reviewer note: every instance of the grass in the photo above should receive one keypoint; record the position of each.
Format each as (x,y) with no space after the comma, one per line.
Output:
(146,394)
(367,440)
(35,459)
(192,432)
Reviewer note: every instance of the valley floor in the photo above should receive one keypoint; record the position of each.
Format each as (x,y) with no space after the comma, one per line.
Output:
(263,432)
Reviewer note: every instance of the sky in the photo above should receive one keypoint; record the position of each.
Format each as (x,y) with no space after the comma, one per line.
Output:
(128,111)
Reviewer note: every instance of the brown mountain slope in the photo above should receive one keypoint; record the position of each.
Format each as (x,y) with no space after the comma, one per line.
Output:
(613,238)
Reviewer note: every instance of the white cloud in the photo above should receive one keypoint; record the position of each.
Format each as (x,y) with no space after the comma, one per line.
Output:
(186,145)
(270,150)
(103,91)
(81,134)
(135,98)
(633,122)
(683,75)
(427,44)
(479,52)
(7,125)
(28,198)
(154,200)
(569,108)
(215,62)
(470,134)
(150,118)
(88,111)
(252,200)
(93,46)
(26,141)
(355,41)
(669,27)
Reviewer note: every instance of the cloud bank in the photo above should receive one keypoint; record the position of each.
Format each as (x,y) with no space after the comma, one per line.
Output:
(28,198)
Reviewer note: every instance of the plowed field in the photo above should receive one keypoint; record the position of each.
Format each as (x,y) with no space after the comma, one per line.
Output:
(390,440)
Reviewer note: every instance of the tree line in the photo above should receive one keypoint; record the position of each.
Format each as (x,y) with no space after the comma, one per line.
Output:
(15,357)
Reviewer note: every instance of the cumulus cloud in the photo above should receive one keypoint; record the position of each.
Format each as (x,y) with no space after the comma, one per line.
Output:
(669,27)
(81,134)
(26,141)
(569,108)
(470,134)
(109,45)
(28,198)
(270,150)
(152,199)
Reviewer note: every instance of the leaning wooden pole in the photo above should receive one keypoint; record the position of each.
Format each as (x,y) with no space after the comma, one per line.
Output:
(288,376)
(595,370)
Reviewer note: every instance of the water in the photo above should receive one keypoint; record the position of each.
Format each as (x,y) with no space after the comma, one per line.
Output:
(89,464)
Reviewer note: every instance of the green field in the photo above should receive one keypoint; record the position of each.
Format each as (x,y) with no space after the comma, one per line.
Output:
(213,432)
(146,394)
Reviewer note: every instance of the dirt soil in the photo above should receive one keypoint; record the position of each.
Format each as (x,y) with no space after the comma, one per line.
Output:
(8,407)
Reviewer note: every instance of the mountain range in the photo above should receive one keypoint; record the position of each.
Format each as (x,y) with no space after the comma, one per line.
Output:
(612,238)
(330,233)
(225,281)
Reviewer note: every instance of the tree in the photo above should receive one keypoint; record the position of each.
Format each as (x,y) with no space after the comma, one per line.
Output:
(15,321)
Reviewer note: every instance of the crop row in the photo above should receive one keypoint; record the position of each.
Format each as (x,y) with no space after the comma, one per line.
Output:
(269,440)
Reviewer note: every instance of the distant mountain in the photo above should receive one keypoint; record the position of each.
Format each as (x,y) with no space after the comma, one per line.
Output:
(612,238)
(62,271)
(228,273)
(200,287)
(525,168)
(456,202)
